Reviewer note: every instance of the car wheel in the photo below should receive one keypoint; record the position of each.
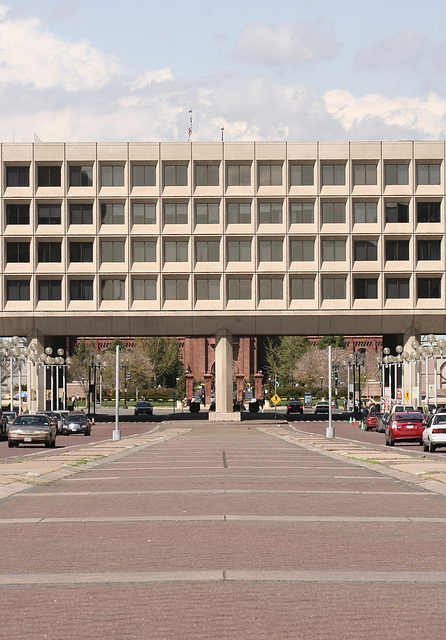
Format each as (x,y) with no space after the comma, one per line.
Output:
(53,444)
(431,447)
(425,446)
(391,443)
(48,444)
(10,445)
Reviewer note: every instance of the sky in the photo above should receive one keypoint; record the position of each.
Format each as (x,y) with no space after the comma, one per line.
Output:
(288,70)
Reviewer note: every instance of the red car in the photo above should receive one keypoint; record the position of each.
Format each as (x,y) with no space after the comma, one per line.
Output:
(405,427)
(371,421)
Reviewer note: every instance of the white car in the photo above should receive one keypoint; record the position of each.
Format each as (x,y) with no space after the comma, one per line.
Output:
(434,434)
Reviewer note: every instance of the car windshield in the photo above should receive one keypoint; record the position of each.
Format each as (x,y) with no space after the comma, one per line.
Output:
(143,404)
(75,417)
(439,419)
(31,420)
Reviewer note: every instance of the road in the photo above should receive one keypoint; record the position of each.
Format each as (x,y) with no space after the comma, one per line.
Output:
(228,531)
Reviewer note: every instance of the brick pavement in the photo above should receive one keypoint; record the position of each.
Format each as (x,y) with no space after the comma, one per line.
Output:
(215,531)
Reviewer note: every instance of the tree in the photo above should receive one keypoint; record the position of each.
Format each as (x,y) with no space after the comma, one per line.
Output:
(331,341)
(164,354)
(281,356)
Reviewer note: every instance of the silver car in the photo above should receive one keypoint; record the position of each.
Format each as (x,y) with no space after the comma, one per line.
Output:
(434,434)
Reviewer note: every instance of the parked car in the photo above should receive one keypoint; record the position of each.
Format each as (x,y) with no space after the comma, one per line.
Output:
(371,422)
(404,427)
(323,406)
(434,435)
(143,407)
(382,421)
(32,429)
(52,416)
(10,416)
(76,422)
(294,406)
(60,421)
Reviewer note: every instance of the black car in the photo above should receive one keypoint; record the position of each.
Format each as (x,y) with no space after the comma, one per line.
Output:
(294,406)
(76,422)
(143,407)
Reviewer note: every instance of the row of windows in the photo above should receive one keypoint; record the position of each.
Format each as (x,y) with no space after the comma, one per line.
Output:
(208,174)
(300,250)
(144,213)
(236,289)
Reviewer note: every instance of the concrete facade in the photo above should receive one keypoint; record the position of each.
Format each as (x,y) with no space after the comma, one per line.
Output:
(188,238)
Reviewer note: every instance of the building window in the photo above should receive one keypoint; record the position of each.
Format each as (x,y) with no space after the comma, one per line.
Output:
(206,175)
(112,251)
(333,212)
(144,213)
(144,289)
(48,176)
(207,251)
(175,175)
(175,251)
(301,212)
(113,289)
(397,288)
(49,214)
(397,249)
(333,174)
(239,250)
(175,289)
(365,212)
(81,213)
(429,249)
(144,251)
(302,250)
(239,213)
(81,176)
(301,175)
(112,213)
(365,250)
(428,174)
(143,175)
(112,175)
(333,250)
(17,214)
(81,289)
(397,212)
(270,250)
(17,176)
(81,252)
(333,289)
(239,175)
(17,252)
(270,289)
(239,289)
(364,174)
(207,213)
(49,251)
(175,213)
(428,212)
(270,212)
(397,174)
(366,288)
(270,175)
(302,289)
(207,288)
(17,290)
(429,287)
(50,290)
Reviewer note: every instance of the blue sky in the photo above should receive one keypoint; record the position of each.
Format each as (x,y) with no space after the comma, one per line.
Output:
(103,70)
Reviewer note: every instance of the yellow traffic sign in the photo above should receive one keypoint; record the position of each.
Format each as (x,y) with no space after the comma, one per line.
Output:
(407,396)
(275,399)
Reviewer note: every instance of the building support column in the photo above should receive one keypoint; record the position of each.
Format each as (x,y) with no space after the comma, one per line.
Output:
(223,378)
(410,369)
(35,373)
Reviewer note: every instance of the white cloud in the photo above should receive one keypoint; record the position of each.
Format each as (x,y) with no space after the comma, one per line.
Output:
(31,55)
(424,117)
(287,43)
(407,48)
(152,77)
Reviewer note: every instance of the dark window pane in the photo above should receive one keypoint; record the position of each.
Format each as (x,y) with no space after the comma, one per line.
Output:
(81,176)
(17,176)
(48,176)
(81,289)
(49,251)
(81,213)
(17,214)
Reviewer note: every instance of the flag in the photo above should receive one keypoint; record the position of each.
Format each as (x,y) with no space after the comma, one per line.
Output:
(189,131)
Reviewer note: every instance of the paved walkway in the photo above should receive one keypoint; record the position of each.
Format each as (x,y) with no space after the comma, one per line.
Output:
(223,531)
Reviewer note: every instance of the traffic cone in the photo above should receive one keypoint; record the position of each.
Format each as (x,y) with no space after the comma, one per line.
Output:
(354,422)
(351,420)
(362,425)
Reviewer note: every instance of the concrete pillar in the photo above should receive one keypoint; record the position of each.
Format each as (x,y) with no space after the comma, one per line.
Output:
(35,399)
(411,369)
(223,378)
